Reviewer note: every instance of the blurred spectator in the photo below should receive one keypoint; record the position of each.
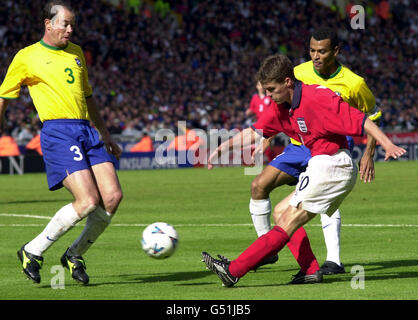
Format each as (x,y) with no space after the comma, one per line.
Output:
(115,126)
(131,131)
(258,104)
(144,145)
(188,141)
(383,10)
(34,145)
(8,145)
(134,5)
(162,8)
(24,135)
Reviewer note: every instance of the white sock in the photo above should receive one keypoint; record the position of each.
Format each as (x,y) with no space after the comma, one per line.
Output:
(331,228)
(61,222)
(97,221)
(260,213)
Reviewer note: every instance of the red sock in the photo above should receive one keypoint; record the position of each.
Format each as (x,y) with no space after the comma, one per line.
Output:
(301,249)
(265,246)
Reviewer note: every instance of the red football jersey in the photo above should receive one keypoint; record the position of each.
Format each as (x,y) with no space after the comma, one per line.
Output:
(318,118)
(259,105)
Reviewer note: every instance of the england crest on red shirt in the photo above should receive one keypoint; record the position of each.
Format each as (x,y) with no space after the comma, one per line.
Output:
(302,125)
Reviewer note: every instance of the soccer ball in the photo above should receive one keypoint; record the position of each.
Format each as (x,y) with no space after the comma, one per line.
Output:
(159,240)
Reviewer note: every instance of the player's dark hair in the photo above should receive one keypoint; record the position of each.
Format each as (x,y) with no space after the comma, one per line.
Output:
(275,68)
(47,14)
(326,33)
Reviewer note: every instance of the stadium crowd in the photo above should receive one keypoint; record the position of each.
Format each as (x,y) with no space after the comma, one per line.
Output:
(155,63)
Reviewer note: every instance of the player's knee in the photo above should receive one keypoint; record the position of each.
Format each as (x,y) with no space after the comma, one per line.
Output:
(88,205)
(283,215)
(112,199)
(285,220)
(117,197)
(279,209)
(258,189)
(281,219)
(277,215)
(292,218)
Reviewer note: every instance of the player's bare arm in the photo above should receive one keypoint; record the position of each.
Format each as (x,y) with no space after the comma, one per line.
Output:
(243,139)
(367,172)
(262,147)
(249,112)
(3,107)
(392,151)
(111,146)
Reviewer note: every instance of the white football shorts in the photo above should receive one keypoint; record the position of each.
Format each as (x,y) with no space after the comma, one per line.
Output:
(325,183)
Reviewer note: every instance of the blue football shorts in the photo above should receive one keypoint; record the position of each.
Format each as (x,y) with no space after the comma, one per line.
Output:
(293,160)
(70,145)
(350,142)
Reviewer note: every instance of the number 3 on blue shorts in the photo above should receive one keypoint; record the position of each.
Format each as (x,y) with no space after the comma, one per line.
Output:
(77,152)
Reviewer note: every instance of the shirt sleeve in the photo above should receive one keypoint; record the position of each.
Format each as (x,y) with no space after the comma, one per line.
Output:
(364,98)
(15,77)
(88,91)
(268,124)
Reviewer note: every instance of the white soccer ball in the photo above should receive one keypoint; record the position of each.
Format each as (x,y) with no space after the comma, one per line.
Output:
(159,240)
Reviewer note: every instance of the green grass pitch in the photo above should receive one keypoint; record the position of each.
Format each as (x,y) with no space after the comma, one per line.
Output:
(210,211)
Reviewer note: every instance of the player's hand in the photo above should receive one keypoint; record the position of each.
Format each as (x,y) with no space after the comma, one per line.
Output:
(367,173)
(212,156)
(261,148)
(112,147)
(393,151)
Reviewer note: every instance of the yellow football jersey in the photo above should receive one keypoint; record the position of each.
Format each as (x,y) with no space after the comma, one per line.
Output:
(57,80)
(351,87)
